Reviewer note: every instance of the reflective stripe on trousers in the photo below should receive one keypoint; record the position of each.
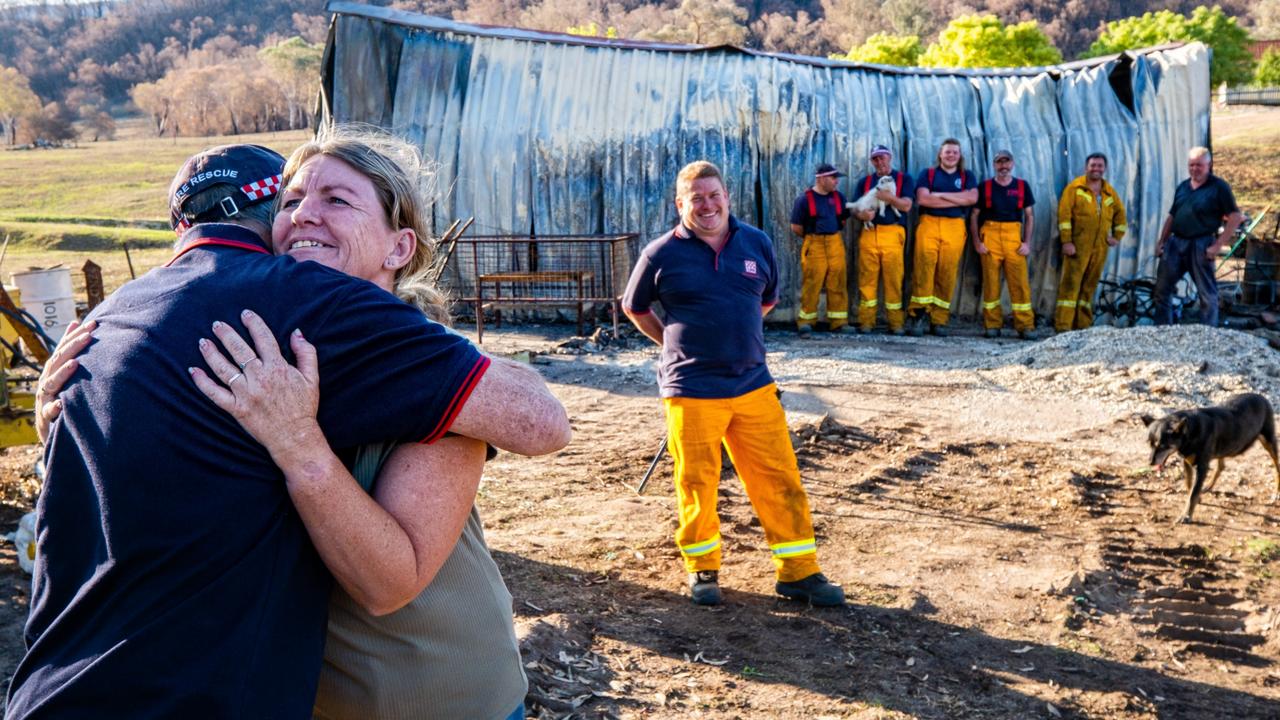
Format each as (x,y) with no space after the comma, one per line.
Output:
(1078,284)
(939,245)
(822,265)
(754,427)
(1003,240)
(880,255)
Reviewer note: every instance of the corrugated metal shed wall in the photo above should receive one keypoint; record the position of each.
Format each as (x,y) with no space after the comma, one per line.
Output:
(541,133)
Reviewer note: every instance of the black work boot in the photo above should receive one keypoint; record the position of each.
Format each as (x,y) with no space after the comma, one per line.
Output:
(815,589)
(704,586)
(915,325)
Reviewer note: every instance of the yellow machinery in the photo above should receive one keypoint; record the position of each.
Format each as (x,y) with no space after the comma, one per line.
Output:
(17,426)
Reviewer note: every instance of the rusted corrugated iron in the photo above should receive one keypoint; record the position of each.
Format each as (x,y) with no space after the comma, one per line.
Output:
(543,133)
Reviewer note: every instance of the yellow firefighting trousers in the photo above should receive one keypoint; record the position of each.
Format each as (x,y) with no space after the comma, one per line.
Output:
(1002,240)
(880,253)
(822,264)
(939,243)
(754,427)
(1080,275)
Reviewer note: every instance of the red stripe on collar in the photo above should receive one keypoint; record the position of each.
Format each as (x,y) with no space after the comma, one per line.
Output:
(217,241)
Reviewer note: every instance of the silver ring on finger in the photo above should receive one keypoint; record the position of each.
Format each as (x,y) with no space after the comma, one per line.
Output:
(246,362)
(237,376)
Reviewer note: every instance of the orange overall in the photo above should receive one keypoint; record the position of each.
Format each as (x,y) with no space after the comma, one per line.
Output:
(754,427)
(822,264)
(939,245)
(1084,220)
(1003,240)
(880,253)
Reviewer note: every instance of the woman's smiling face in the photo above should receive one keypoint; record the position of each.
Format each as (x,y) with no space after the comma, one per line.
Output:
(330,213)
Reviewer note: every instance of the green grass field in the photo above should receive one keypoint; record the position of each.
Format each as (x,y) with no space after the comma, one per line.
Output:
(66,205)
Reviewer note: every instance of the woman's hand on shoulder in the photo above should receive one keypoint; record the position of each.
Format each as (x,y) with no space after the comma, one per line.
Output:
(57,370)
(273,401)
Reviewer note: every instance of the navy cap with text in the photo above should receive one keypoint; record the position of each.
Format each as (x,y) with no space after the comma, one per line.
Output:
(254,169)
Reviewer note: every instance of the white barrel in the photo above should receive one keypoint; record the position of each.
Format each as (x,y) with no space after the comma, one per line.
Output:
(46,294)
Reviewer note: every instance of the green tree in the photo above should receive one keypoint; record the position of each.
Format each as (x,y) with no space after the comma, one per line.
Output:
(886,49)
(592,30)
(1268,72)
(295,66)
(984,41)
(1232,64)
(16,101)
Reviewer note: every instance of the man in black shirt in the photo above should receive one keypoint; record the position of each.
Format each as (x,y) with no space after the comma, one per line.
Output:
(1189,240)
(818,216)
(1001,226)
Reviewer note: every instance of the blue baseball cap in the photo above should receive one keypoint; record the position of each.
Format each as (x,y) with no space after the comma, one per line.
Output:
(254,169)
(880,150)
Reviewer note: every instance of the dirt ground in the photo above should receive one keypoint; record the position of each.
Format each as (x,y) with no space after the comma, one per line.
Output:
(1004,547)
(1005,550)
(1006,553)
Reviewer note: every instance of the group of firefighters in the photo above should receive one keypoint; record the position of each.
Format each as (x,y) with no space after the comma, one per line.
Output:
(996,214)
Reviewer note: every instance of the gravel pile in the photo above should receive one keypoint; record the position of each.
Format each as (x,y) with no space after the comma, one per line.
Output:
(1166,366)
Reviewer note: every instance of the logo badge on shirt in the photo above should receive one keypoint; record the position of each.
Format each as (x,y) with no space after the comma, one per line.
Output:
(959,183)
(749,267)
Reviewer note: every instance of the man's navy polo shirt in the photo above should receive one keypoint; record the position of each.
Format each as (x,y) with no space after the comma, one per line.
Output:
(829,217)
(888,217)
(1199,212)
(174,579)
(1002,204)
(945,182)
(713,344)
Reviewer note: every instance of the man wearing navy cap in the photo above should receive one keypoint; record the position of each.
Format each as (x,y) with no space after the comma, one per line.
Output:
(880,245)
(173,578)
(818,217)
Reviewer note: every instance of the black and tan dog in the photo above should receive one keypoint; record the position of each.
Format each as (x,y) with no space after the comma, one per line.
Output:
(1212,433)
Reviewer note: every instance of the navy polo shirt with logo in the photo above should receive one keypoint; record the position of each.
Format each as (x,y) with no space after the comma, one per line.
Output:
(1199,212)
(713,342)
(945,182)
(830,213)
(1001,203)
(907,190)
(174,579)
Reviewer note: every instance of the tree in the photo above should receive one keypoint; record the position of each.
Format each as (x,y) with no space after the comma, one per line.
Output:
(16,101)
(886,49)
(51,125)
(703,22)
(780,32)
(1268,72)
(1266,19)
(984,41)
(592,30)
(154,99)
(295,65)
(1232,64)
(848,23)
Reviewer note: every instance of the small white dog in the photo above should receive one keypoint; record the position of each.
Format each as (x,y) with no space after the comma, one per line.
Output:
(869,201)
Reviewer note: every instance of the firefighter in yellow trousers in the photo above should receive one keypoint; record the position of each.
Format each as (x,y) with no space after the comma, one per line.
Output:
(880,245)
(818,216)
(944,193)
(1002,224)
(716,278)
(1090,222)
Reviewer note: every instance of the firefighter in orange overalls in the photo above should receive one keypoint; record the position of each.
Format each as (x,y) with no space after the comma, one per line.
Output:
(944,193)
(818,216)
(880,245)
(1090,221)
(1001,225)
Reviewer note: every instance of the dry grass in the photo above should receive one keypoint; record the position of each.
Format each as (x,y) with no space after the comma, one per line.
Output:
(1246,144)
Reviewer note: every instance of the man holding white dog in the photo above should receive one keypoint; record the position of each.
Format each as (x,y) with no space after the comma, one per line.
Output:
(818,216)
(880,245)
